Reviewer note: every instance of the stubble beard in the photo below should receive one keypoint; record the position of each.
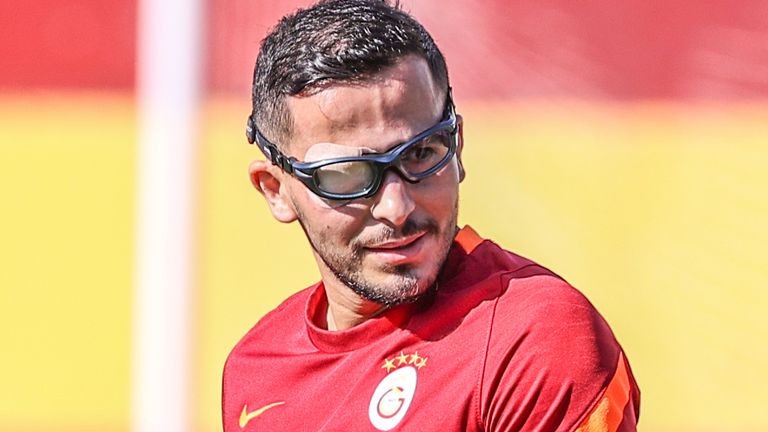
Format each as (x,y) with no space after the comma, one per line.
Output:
(406,286)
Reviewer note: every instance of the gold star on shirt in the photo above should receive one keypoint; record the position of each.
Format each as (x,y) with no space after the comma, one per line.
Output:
(402,358)
(414,358)
(421,363)
(389,364)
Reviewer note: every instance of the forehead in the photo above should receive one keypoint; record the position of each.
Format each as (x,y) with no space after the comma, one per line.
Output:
(378,113)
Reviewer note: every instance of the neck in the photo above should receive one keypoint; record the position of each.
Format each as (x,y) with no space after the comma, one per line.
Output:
(346,309)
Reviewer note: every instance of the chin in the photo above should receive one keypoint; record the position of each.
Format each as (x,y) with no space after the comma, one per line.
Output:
(406,286)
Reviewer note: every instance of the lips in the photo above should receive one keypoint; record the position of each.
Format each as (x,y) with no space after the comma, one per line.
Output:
(399,251)
(397,243)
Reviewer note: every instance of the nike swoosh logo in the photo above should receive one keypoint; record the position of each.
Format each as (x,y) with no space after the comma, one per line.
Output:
(245,416)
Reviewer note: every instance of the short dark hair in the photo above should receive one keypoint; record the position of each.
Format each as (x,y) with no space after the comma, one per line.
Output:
(333,41)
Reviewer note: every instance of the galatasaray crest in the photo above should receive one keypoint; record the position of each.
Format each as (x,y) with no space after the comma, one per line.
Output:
(393,395)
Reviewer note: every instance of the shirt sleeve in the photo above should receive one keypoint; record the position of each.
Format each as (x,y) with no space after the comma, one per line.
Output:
(616,408)
(553,364)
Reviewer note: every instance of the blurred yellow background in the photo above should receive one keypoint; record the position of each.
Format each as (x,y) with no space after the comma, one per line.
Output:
(656,211)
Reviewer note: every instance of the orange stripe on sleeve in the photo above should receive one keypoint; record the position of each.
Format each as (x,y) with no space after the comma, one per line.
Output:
(607,415)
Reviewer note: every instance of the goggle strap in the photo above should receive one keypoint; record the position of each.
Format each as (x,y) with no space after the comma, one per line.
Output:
(277,158)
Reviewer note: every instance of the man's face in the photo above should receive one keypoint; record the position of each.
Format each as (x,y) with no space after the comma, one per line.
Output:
(388,248)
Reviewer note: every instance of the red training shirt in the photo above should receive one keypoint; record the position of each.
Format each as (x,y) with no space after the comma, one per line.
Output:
(504,345)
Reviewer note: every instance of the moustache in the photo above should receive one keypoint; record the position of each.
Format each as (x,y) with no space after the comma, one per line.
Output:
(386,233)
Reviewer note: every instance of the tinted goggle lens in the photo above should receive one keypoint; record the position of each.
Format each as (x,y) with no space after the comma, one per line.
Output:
(414,161)
(345,177)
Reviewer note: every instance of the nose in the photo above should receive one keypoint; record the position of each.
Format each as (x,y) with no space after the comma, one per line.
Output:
(393,202)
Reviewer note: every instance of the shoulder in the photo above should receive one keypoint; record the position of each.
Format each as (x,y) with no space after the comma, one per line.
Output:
(278,332)
(532,300)
(550,354)
(275,328)
(556,320)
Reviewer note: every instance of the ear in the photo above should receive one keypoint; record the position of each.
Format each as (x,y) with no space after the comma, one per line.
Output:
(460,125)
(268,180)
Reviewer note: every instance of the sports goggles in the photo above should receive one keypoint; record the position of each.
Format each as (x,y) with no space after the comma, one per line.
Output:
(360,176)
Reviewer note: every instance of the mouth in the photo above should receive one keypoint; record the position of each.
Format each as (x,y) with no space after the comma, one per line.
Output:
(397,243)
(399,250)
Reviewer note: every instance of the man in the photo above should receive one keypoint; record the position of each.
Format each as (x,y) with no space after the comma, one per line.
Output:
(416,324)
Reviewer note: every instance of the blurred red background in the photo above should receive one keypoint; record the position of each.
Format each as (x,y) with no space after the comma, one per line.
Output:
(496,49)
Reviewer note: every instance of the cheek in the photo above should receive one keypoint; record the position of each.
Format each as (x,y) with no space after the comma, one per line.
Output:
(325,204)
(331,220)
(439,192)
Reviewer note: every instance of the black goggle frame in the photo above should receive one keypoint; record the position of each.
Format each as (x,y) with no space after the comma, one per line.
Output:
(304,171)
